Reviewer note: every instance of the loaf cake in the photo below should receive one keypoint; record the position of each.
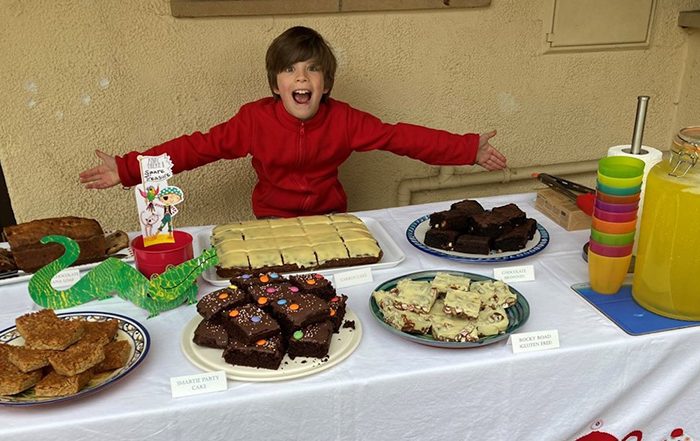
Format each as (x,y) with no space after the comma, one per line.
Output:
(282,315)
(468,228)
(30,254)
(294,244)
(460,311)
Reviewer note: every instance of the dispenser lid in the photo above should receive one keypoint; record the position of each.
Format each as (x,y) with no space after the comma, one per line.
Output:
(685,151)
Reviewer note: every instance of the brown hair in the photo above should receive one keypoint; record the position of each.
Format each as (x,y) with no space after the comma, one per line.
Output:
(300,44)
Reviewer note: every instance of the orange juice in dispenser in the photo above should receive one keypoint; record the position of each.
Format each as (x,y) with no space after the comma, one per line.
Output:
(667,269)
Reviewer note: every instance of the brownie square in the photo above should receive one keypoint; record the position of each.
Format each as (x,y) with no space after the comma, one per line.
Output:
(265,295)
(338,305)
(299,310)
(311,341)
(264,353)
(440,238)
(314,284)
(517,238)
(211,334)
(468,243)
(511,212)
(450,220)
(212,304)
(490,224)
(468,206)
(247,280)
(249,324)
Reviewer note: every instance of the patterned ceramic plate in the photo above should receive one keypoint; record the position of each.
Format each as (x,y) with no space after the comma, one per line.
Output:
(517,314)
(129,330)
(416,235)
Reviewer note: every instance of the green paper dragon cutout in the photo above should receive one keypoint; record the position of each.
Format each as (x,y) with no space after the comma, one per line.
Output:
(165,291)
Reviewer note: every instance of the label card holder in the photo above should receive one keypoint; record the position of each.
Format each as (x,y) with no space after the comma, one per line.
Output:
(197,384)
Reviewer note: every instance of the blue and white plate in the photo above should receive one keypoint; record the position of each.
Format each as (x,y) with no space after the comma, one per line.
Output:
(517,313)
(129,330)
(416,236)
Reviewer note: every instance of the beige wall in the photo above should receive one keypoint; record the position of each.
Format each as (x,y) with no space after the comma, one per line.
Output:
(124,74)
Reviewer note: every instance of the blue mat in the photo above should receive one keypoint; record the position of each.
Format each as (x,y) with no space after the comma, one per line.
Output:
(626,313)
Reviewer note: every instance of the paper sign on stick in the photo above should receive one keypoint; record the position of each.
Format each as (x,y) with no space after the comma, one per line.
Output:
(156,200)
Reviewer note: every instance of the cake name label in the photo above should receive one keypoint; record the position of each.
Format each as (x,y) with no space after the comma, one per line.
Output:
(534,341)
(198,384)
(524,273)
(353,277)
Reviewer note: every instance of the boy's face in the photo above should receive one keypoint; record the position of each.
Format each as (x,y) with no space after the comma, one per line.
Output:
(300,86)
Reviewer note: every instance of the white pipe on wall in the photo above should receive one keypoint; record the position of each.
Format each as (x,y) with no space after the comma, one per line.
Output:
(446,177)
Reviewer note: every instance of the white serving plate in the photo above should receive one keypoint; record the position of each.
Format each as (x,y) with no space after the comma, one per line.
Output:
(343,344)
(392,253)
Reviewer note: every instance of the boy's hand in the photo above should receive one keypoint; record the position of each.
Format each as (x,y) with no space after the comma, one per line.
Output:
(104,175)
(487,156)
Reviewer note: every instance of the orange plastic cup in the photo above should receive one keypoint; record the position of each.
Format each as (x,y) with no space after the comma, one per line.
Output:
(606,274)
(613,227)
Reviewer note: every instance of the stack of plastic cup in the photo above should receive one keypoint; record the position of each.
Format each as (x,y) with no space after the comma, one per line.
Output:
(614,222)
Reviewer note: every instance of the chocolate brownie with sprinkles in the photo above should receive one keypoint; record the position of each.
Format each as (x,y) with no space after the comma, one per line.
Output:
(337,304)
(264,353)
(314,284)
(249,323)
(311,341)
(246,280)
(297,311)
(265,295)
(212,304)
(210,334)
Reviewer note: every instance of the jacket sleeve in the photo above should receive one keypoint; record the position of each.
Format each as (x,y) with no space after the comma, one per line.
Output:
(227,140)
(432,146)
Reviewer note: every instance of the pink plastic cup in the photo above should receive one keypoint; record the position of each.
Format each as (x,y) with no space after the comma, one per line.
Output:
(155,259)
(618,208)
(609,250)
(613,216)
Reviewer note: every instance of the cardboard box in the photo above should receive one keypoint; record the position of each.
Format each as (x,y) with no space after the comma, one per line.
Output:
(562,210)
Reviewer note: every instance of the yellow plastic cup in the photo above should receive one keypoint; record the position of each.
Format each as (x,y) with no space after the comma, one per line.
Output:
(606,274)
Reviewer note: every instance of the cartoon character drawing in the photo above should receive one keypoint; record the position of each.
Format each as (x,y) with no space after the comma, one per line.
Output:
(168,198)
(149,220)
(678,434)
(604,436)
(150,195)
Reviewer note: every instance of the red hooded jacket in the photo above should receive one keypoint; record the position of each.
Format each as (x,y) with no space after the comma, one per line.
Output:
(297,161)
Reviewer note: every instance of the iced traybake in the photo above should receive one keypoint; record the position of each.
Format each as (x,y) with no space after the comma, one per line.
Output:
(294,244)
(461,310)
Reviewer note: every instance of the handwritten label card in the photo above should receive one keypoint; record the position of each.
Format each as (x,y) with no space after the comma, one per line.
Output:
(524,273)
(534,341)
(198,384)
(353,277)
(65,279)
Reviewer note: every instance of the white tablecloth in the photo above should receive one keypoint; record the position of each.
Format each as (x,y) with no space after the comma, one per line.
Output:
(600,379)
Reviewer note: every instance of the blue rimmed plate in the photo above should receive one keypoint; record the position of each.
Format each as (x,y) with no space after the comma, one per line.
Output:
(416,236)
(129,330)
(517,313)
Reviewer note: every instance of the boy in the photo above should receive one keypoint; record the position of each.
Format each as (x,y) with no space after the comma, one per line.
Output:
(299,137)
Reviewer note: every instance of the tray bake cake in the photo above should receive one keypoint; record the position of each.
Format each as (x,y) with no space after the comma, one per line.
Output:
(273,316)
(295,244)
(468,228)
(60,356)
(459,310)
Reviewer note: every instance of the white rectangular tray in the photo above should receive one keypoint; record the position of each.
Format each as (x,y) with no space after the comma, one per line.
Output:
(392,253)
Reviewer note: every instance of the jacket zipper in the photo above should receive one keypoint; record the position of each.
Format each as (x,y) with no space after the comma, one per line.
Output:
(302,181)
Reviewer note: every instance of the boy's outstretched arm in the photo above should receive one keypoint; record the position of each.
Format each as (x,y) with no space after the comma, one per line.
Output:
(487,156)
(104,175)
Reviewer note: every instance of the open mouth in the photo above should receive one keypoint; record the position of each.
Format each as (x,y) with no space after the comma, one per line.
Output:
(301,96)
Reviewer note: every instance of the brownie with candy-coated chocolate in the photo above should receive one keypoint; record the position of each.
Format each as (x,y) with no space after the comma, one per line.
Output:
(212,304)
(337,305)
(249,323)
(299,310)
(211,334)
(265,295)
(312,341)
(264,353)
(314,284)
